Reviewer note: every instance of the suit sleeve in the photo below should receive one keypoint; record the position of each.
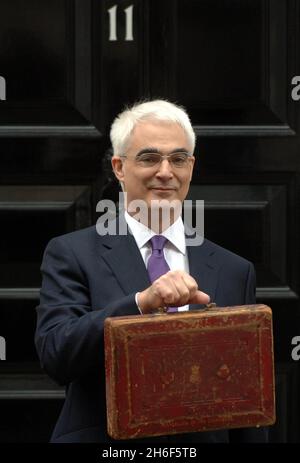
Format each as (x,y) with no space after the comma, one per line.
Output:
(69,334)
(250,286)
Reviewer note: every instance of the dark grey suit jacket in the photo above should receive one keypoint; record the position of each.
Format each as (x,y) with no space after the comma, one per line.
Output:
(86,278)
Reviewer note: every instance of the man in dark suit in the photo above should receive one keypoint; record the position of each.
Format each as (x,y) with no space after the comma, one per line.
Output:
(88,276)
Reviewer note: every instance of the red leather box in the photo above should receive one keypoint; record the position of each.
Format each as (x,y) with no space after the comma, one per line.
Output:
(189,371)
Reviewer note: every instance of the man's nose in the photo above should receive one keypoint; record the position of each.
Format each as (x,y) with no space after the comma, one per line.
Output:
(165,169)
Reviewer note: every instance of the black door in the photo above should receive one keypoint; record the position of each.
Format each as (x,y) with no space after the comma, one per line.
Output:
(66,69)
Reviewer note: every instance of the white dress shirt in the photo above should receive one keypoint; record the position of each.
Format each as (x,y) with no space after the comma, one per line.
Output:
(174,250)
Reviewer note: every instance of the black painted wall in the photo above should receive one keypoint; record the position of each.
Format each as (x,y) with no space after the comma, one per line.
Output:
(230,63)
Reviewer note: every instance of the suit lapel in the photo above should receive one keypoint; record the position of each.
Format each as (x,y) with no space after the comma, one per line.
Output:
(124,258)
(204,268)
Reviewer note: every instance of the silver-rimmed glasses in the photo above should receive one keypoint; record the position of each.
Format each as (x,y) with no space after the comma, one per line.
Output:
(177,160)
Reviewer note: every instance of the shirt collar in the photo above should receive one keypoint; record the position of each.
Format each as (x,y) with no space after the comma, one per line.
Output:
(142,234)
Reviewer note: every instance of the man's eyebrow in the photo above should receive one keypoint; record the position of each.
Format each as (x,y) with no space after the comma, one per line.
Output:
(148,150)
(155,150)
(180,150)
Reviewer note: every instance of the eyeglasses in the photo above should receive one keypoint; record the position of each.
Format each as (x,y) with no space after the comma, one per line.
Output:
(177,160)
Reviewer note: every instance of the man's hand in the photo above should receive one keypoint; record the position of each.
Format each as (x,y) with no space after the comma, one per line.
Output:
(174,288)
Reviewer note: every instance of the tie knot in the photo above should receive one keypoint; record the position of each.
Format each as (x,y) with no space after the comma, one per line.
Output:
(158,242)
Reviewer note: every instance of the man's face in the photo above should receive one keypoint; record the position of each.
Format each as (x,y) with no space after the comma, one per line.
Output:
(160,181)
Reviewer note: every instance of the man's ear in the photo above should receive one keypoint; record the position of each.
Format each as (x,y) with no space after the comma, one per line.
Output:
(117,166)
(192,167)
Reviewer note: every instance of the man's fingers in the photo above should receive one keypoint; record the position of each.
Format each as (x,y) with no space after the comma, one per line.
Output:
(179,288)
(190,283)
(166,290)
(200,298)
(183,291)
(196,296)
(175,289)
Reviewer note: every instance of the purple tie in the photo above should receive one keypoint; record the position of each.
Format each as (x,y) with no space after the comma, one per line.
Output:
(157,264)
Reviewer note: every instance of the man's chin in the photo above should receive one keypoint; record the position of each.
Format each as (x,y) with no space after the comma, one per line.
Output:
(157,194)
(157,213)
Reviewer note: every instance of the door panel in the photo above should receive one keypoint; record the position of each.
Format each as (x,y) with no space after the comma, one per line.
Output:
(69,67)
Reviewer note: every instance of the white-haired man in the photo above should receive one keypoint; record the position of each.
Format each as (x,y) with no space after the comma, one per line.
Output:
(88,277)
